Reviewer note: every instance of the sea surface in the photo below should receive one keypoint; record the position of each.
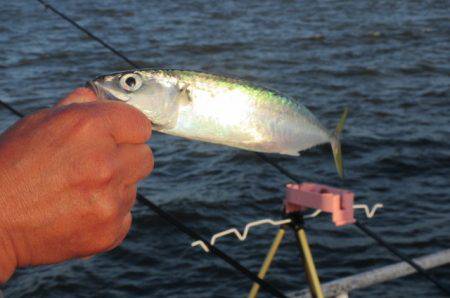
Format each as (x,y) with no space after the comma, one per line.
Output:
(387,61)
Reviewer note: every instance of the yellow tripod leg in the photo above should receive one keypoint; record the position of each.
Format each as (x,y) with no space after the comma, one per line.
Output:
(268,260)
(310,268)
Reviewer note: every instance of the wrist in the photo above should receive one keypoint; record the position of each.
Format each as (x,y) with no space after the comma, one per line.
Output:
(8,262)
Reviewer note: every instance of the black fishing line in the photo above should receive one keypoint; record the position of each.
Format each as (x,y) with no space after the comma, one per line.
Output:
(183,228)
(191,233)
(194,235)
(188,231)
(97,39)
(13,110)
(142,199)
(363,227)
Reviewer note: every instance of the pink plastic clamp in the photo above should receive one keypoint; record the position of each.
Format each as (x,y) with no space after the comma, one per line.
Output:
(339,202)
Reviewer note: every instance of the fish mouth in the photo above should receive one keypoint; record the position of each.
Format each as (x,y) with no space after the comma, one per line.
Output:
(91,85)
(99,91)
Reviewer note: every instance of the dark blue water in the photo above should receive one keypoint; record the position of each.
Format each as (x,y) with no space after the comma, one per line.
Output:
(387,61)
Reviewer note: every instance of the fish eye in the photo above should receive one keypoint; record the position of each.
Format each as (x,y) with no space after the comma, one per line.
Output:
(131,82)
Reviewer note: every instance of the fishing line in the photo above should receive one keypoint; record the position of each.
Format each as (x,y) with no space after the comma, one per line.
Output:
(212,248)
(183,228)
(97,39)
(142,199)
(362,226)
(278,167)
(13,110)
(188,231)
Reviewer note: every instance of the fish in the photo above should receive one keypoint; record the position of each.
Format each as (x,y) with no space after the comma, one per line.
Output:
(221,110)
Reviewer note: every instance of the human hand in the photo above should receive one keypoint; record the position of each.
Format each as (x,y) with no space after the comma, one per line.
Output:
(68,179)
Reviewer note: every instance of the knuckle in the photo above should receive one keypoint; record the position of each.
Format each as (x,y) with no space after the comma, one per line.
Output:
(105,171)
(102,167)
(87,124)
(105,240)
(94,169)
(86,118)
(107,212)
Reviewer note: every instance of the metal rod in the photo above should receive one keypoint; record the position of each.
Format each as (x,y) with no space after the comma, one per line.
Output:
(268,261)
(262,156)
(310,268)
(377,276)
(402,256)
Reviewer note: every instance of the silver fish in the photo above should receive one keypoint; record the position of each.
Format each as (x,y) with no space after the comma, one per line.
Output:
(220,110)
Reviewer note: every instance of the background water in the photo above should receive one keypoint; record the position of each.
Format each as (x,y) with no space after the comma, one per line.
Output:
(387,61)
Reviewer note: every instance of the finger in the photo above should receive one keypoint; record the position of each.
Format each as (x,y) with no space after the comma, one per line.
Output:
(123,231)
(134,162)
(125,123)
(127,199)
(79,95)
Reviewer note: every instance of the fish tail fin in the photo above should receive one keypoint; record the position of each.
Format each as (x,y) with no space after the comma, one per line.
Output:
(336,144)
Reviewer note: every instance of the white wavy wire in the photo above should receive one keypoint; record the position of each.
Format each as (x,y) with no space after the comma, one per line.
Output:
(369,213)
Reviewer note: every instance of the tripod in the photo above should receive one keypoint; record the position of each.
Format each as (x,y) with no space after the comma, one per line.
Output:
(297,226)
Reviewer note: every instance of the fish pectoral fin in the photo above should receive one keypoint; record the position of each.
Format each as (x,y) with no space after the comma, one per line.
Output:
(184,96)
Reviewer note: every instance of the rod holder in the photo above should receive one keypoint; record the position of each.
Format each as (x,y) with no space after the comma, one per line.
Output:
(338,202)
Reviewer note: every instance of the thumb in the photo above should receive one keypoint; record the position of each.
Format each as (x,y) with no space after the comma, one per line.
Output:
(79,95)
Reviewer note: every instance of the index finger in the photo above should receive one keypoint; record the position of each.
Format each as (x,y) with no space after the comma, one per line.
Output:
(125,123)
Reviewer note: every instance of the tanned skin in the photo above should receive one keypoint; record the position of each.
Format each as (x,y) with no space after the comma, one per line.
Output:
(68,179)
